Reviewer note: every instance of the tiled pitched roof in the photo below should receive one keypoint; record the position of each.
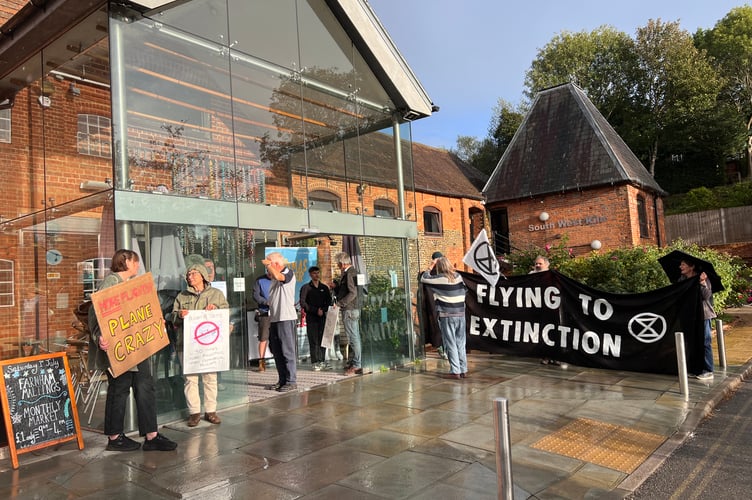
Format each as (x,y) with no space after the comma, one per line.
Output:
(565,144)
(437,171)
(441,172)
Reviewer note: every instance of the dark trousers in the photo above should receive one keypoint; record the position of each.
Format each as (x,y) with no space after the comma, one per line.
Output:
(315,331)
(118,390)
(283,344)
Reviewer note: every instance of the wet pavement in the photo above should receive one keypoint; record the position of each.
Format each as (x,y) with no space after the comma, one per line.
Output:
(575,433)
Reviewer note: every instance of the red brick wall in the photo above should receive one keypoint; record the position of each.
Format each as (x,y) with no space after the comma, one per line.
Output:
(606,214)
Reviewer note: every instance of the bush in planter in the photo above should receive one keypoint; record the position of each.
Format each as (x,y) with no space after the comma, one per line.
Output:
(635,270)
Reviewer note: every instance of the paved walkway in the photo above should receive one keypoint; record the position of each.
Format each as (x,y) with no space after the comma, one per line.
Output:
(575,433)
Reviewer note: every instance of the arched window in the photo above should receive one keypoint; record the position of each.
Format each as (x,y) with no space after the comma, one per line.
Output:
(642,215)
(432,221)
(323,200)
(384,208)
(94,137)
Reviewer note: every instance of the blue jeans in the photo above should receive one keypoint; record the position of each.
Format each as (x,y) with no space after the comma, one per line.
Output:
(453,337)
(708,348)
(351,320)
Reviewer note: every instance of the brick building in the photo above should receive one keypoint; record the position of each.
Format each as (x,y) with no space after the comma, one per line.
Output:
(567,173)
(187,131)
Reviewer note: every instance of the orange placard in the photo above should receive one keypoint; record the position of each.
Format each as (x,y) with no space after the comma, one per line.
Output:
(131,320)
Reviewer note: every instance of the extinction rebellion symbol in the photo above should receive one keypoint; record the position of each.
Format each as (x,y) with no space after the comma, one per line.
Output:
(647,327)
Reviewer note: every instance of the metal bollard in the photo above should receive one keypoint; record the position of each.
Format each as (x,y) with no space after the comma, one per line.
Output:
(721,343)
(681,362)
(504,484)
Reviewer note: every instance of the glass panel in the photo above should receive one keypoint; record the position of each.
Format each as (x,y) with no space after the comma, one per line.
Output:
(75,103)
(205,18)
(384,299)
(268,30)
(167,251)
(177,97)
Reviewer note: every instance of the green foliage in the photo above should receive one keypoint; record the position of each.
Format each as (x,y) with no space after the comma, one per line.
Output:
(485,154)
(702,198)
(636,270)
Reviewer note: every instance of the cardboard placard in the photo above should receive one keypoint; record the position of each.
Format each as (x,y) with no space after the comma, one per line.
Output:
(39,410)
(131,320)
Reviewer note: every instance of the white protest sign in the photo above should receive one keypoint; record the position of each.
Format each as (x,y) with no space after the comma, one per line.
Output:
(206,341)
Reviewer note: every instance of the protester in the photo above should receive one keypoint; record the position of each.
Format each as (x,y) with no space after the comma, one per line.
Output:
(199,295)
(348,301)
(124,266)
(541,264)
(689,270)
(315,299)
(448,291)
(283,317)
(261,296)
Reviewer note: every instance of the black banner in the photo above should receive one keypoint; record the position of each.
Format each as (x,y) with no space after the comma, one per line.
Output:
(549,315)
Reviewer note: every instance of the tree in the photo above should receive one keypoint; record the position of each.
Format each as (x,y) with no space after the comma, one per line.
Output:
(485,154)
(729,45)
(601,62)
(674,82)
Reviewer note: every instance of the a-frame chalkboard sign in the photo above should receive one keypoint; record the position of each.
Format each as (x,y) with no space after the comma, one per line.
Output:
(37,403)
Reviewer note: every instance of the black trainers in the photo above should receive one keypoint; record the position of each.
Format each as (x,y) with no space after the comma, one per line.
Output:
(288,388)
(122,443)
(159,443)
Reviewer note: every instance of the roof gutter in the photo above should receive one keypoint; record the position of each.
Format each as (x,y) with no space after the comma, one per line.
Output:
(36,25)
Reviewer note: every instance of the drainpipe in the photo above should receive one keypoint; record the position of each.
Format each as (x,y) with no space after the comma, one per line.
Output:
(657,224)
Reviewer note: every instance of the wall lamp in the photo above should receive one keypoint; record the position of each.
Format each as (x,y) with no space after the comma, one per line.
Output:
(74,91)
(543,217)
(596,244)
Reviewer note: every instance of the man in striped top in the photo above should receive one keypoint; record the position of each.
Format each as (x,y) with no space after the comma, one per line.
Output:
(449,295)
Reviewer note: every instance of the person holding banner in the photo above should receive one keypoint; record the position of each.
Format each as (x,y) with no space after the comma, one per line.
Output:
(200,295)
(124,266)
(315,299)
(541,264)
(690,269)
(283,317)
(448,290)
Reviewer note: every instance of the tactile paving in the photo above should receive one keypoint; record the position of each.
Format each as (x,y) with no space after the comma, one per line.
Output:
(600,443)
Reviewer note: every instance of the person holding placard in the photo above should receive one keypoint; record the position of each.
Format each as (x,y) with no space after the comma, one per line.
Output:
(124,266)
(200,295)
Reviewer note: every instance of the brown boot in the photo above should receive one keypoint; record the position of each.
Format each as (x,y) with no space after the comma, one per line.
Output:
(212,417)
(262,365)
(194,419)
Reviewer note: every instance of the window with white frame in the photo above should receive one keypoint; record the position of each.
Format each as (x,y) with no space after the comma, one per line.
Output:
(642,216)
(5,125)
(384,208)
(323,200)
(91,272)
(432,221)
(94,136)
(7,283)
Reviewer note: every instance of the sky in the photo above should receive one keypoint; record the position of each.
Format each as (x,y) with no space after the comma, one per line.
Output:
(468,54)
